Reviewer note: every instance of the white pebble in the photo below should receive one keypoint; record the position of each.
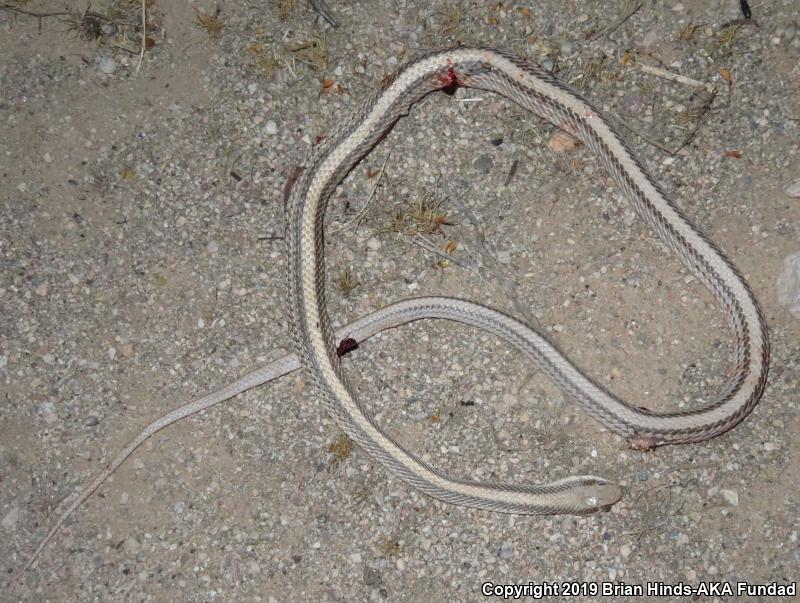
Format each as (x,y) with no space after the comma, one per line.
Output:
(788,284)
(107,65)
(270,128)
(730,496)
(793,189)
(11,518)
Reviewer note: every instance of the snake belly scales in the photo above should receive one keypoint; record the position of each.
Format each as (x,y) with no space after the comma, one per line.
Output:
(536,90)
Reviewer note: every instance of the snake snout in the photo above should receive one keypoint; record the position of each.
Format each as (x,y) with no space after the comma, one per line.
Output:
(601,494)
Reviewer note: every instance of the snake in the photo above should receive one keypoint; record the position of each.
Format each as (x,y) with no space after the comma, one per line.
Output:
(314,340)
(536,90)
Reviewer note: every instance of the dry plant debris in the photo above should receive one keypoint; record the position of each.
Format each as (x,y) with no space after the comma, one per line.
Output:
(423,215)
(210,23)
(263,59)
(341,449)
(312,52)
(346,281)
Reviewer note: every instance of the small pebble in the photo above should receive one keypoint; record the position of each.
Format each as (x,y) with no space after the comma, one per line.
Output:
(270,128)
(483,163)
(372,577)
(11,518)
(793,189)
(633,103)
(107,65)
(567,48)
(788,284)
(730,496)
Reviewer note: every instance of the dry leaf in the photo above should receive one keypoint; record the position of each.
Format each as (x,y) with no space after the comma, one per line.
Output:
(735,153)
(726,74)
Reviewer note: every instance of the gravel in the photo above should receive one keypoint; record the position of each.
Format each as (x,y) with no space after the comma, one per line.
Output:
(143,264)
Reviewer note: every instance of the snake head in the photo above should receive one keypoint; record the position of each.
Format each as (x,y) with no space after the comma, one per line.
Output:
(599,494)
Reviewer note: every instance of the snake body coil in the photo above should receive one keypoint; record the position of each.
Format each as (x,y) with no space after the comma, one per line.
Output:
(535,90)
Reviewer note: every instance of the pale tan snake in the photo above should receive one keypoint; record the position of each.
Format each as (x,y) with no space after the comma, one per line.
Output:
(538,91)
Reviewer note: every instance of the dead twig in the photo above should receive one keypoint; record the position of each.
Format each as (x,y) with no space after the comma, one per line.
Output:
(429,246)
(324,11)
(703,111)
(631,10)
(356,220)
(144,36)
(30,13)
(673,77)
(657,522)
(498,274)
(648,140)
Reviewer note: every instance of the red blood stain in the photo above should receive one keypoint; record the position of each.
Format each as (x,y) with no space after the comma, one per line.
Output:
(347,344)
(449,79)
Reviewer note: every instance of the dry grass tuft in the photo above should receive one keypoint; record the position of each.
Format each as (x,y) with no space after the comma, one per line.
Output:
(423,215)
(210,23)
(286,8)
(686,34)
(263,59)
(346,281)
(341,449)
(313,52)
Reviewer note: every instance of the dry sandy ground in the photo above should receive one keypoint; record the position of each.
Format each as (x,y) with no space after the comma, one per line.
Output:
(141,217)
